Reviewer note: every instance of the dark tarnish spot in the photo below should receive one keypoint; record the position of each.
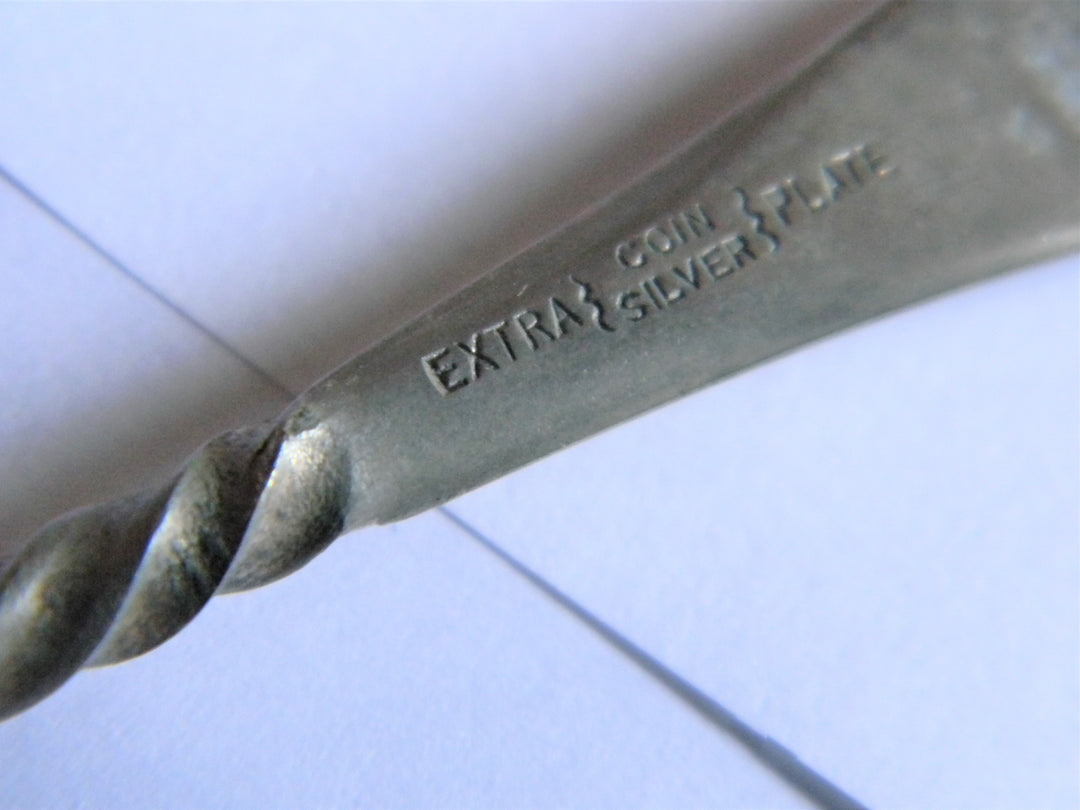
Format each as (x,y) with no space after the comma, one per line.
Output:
(301,420)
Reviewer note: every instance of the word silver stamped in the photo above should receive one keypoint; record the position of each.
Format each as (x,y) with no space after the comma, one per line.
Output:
(685,253)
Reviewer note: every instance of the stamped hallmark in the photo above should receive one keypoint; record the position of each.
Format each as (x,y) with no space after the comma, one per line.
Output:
(500,344)
(673,259)
(664,238)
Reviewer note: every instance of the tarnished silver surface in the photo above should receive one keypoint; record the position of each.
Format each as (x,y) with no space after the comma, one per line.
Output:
(935,146)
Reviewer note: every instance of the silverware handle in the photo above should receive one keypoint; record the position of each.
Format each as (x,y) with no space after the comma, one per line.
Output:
(937,145)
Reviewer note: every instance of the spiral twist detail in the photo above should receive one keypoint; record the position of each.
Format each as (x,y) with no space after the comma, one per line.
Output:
(110,582)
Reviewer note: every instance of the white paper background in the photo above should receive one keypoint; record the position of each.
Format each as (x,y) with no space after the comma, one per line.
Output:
(867,550)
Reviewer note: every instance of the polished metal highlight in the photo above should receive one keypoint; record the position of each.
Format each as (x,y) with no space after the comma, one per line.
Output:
(937,145)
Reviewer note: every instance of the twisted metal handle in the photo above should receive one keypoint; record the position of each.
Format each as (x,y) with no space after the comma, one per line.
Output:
(110,582)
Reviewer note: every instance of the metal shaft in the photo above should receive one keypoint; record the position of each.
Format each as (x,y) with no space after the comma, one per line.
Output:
(937,145)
